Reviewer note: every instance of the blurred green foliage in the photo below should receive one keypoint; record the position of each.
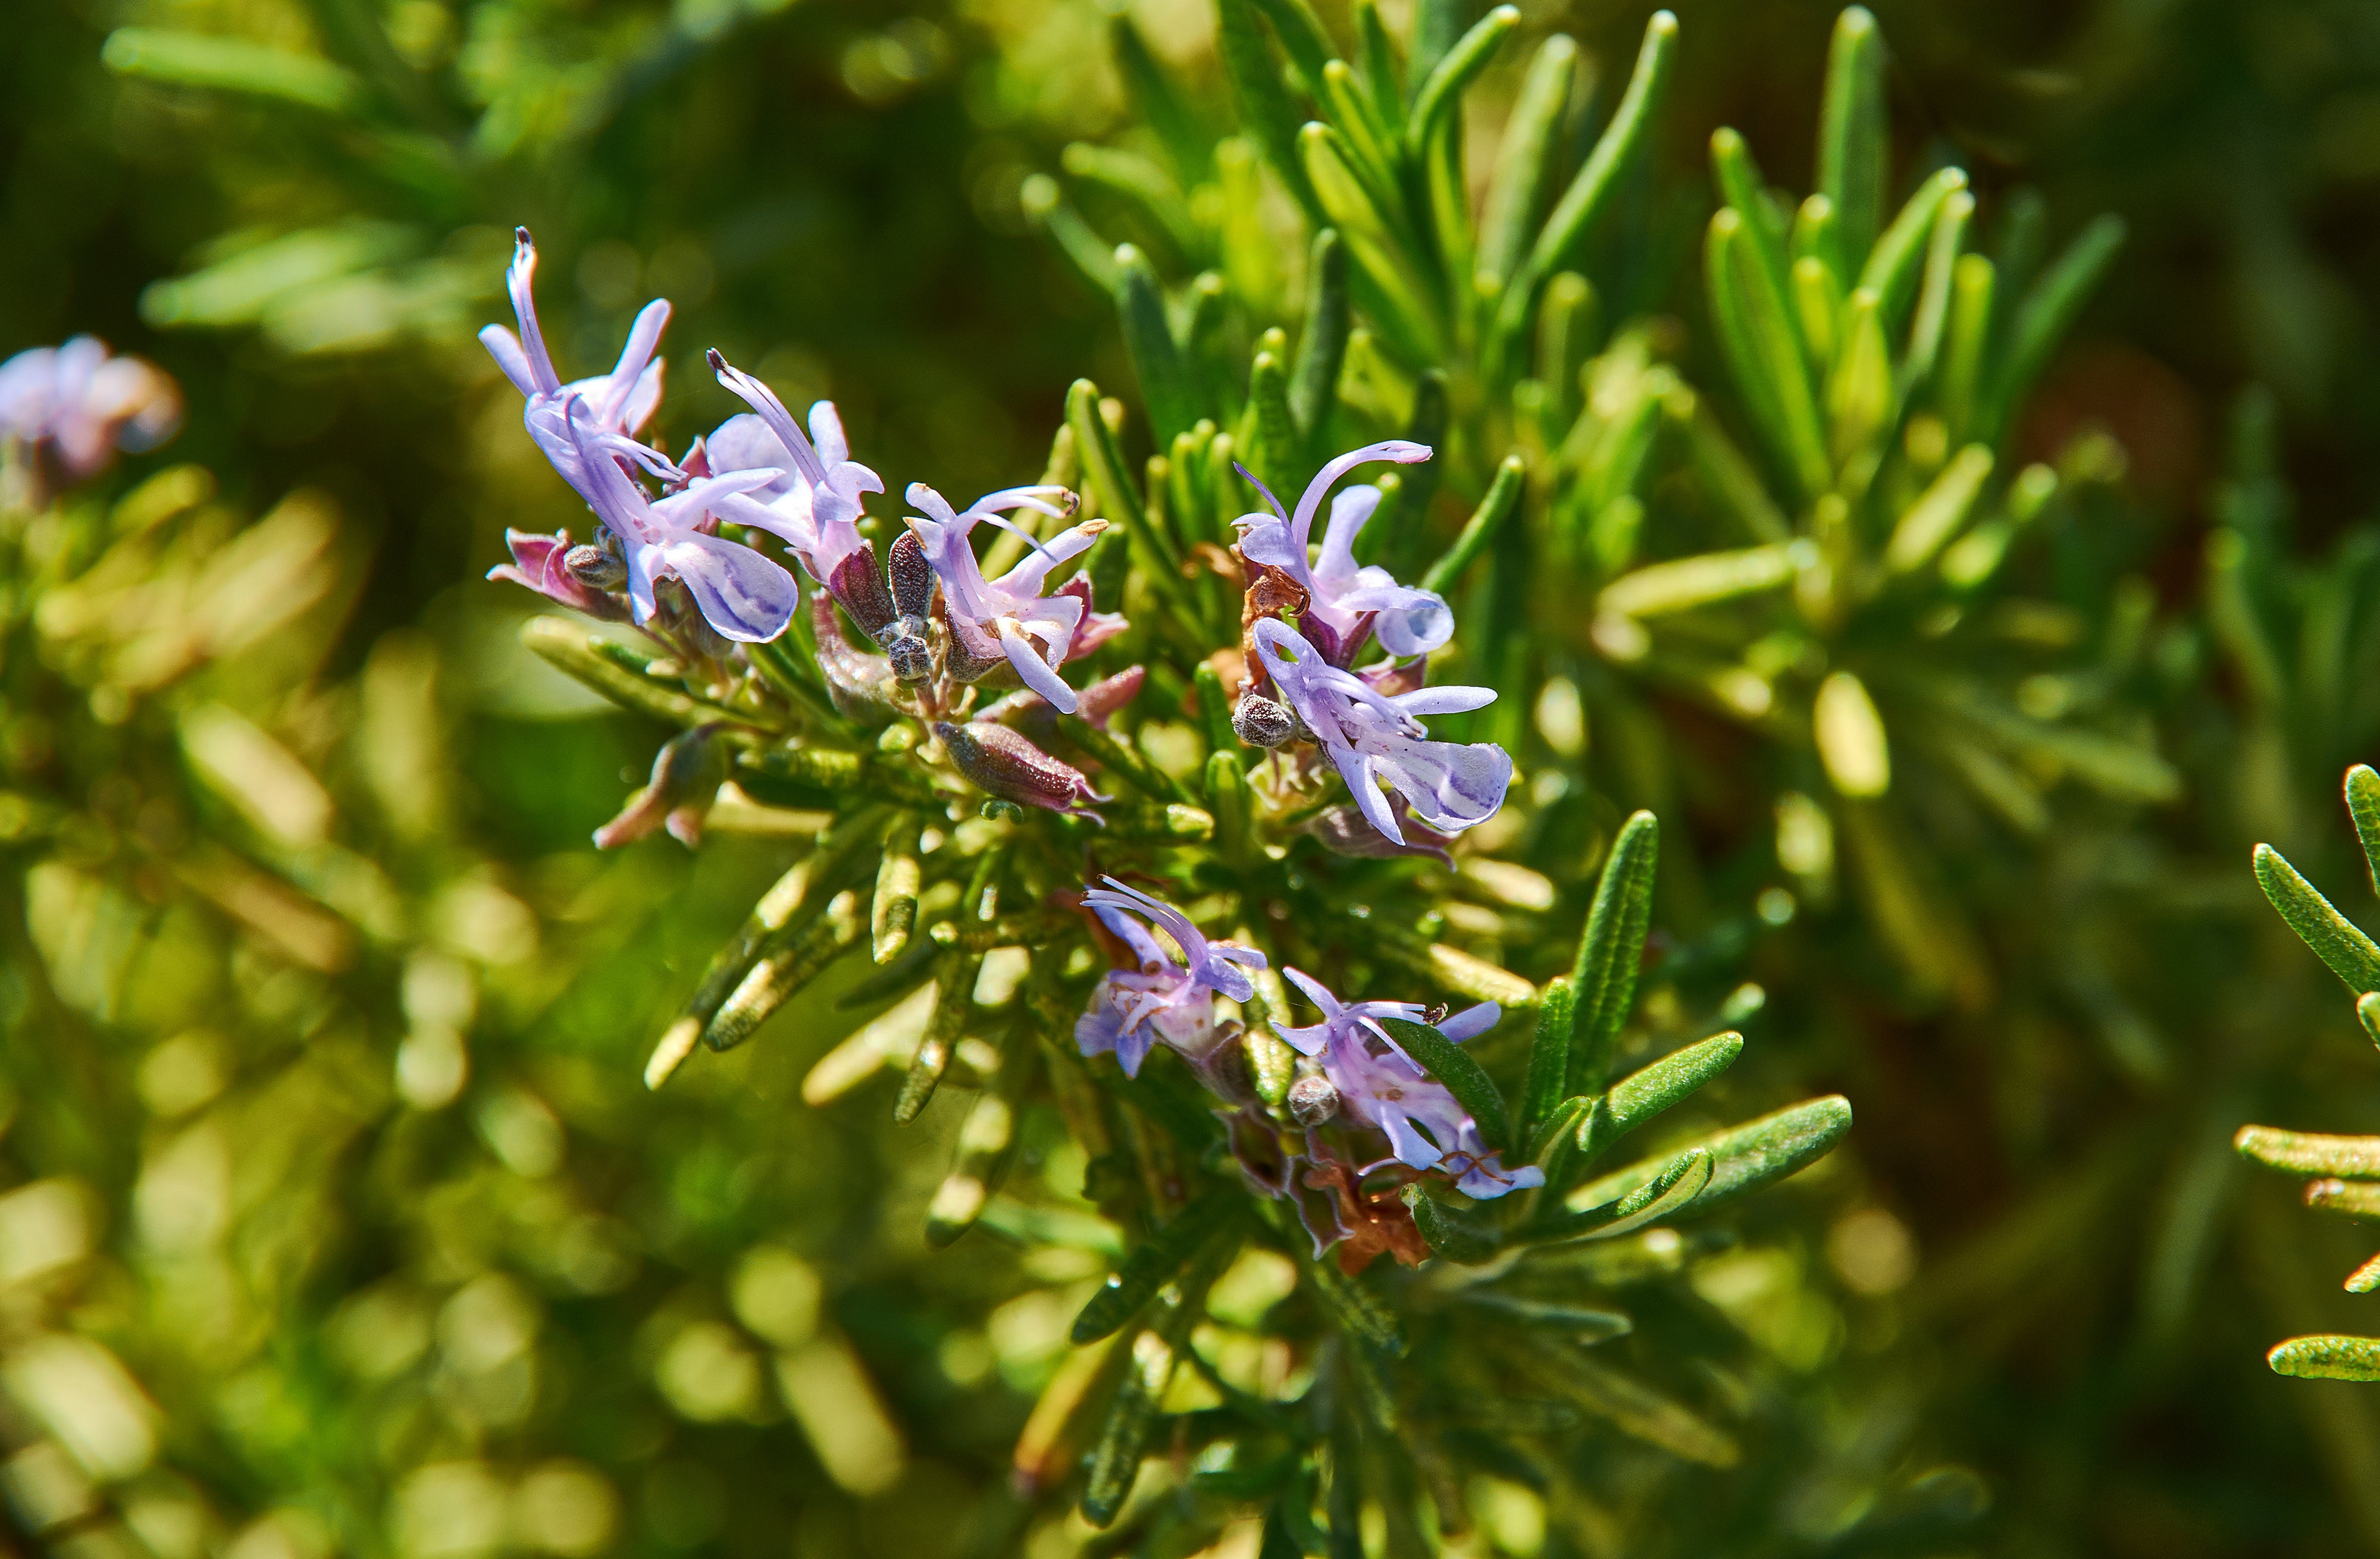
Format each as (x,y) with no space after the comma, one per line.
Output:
(339,1222)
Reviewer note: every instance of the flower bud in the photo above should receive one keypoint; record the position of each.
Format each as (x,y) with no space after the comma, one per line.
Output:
(912,575)
(1260,722)
(595,568)
(1313,1099)
(858,583)
(1010,767)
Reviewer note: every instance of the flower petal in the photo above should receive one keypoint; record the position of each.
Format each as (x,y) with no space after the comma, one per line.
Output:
(740,594)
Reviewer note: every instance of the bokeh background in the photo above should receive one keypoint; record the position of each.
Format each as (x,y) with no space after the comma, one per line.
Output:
(340,1222)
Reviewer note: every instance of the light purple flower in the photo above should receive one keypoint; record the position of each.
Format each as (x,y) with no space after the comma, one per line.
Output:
(619,402)
(1003,618)
(815,499)
(587,428)
(1343,597)
(740,593)
(85,405)
(1373,736)
(1164,999)
(1379,1084)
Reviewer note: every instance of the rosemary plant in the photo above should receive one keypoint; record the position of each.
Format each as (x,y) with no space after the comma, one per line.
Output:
(1003,906)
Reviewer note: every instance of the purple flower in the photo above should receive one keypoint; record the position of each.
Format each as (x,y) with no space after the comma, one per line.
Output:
(85,405)
(1003,618)
(1345,599)
(1380,1085)
(1163,1000)
(538,563)
(1373,736)
(740,594)
(814,499)
(619,402)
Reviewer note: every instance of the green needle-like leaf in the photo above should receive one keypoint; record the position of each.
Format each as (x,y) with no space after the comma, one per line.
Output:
(1438,25)
(1929,523)
(1303,38)
(1160,102)
(1152,1264)
(1644,1094)
(1459,1237)
(1894,265)
(2309,1153)
(1591,193)
(1274,448)
(1958,391)
(893,913)
(2049,310)
(1523,181)
(1934,297)
(1264,104)
(1626,1403)
(1548,1079)
(1045,203)
(1853,136)
(2329,1357)
(1167,392)
(1610,949)
(1668,1193)
(1503,500)
(1744,1159)
(1764,351)
(1741,188)
(2363,805)
(1859,390)
(232,64)
(1322,350)
(2336,940)
(1443,90)
(1703,580)
(1123,1433)
(954,977)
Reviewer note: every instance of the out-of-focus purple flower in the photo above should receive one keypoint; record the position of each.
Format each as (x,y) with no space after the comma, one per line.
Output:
(1004,763)
(1373,736)
(814,501)
(538,563)
(619,402)
(83,404)
(1001,619)
(740,594)
(1379,1084)
(1345,598)
(1165,998)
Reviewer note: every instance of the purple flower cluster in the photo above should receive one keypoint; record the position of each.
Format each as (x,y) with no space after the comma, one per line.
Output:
(1162,998)
(1378,1084)
(762,471)
(1367,721)
(932,627)
(1359,1075)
